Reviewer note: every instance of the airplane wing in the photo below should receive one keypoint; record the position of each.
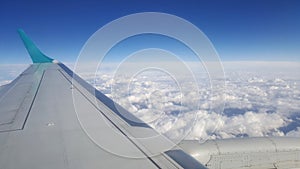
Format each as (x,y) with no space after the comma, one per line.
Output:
(51,118)
(40,126)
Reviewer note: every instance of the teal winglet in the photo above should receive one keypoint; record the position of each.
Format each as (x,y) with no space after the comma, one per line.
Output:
(36,55)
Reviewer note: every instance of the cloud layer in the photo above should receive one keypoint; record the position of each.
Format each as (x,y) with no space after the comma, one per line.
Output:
(261,100)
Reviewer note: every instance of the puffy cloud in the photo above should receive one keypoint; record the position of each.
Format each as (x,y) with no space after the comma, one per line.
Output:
(255,103)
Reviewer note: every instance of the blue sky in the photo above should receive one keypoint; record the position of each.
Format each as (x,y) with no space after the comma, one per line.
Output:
(267,30)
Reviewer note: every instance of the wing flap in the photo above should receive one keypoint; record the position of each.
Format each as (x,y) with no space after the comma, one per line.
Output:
(16,99)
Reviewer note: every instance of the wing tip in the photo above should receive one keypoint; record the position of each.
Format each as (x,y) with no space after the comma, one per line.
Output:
(36,55)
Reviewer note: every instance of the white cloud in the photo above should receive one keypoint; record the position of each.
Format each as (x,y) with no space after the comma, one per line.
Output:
(256,103)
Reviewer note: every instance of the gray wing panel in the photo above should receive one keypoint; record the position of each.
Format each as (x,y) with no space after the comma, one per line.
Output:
(52,137)
(17,97)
